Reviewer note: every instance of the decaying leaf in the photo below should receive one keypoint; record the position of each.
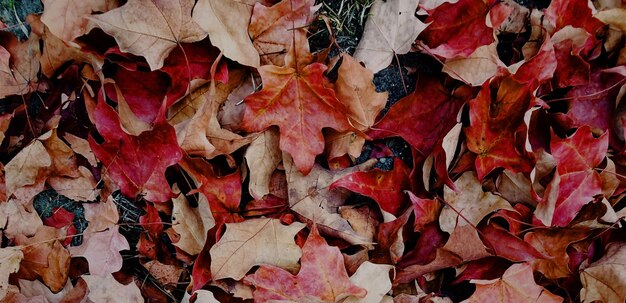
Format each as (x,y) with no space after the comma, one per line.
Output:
(245,245)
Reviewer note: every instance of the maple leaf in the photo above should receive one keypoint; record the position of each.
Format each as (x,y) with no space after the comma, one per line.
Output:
(390,30)
(385,187)
(263,157)
(18,218)
(554,243)
(10,258)
(142,91)
(575,182)
(603,280)
(102,251)
(222,192)
(374,278)
(9,83)
(136,163)
(19,67)
(516,285)
(191,224)
(355,88)
(106,289)
(300,104)
(48,259)
(227,24)
(411,117)
(150,28)
(576,13)
(457,29)
(475,69)
(66,18)
(497,126)
(276,29)
(255,242)
(322,276)
(465,203)
(311,198)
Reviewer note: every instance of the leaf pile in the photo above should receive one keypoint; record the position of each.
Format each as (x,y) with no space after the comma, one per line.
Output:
(261,171)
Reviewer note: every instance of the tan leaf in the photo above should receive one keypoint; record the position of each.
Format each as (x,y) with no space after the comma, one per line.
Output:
(81,188)
(605,279)
(311,199)
(81,147)
(554,243)
(150,28)
(375,279)
(101,215)
(191,224)
(16,219)
(66,18)
(255,242)
(263,156)
(27,167)
(202,135)
(18,75)
(477,68)
(355,88)
(516,285)
(167,275)
(107,289)
(102,251)
(45,257)
(274,30)
(34,289)
(10,258)
(391,29)
(227,21)
(472,202)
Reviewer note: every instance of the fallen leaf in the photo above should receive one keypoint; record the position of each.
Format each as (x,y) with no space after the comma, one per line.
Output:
(575,182)
(28,167)
(322,276)
(276,29)
(471,202)
(554,243)
(390,30)
(411,117)
(262,156)
(255,242)
(457,29)
(476,68)
(496,124)
(516,285)
(374,278)
(300,104)
(227,25)
(136,163)
(45,257)
(311,198)
(102,251)
(603,280)
(150,28)
(67,18)
(10,258)
(355,88)
(191,224)
(385,187)
(106,289)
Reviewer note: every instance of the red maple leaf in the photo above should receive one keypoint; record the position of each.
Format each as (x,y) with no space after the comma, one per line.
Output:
(300,104)
(136,163)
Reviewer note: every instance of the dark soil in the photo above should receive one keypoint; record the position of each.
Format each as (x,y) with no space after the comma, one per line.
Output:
(10,8)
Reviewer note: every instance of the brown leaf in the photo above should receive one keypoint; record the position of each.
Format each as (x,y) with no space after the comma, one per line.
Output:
(150,28)
(66,18)
(390,30)
(107,289)
(191,224)
(255,242)
(45,257)
(227,21)
(263,156)
(605,279)
(554,243)
(10,258)
(102,251)
(311,199)
(355,88)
